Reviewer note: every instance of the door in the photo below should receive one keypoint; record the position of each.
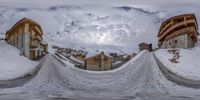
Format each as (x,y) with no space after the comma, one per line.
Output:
(32,54)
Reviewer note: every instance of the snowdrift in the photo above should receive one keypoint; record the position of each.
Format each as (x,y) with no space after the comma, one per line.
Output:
(139,75)
(12,65)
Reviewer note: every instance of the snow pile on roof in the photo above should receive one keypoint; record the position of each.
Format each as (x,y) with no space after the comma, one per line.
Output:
(43,42)
(12,65)
(76,60)
(1,36)
(188,64)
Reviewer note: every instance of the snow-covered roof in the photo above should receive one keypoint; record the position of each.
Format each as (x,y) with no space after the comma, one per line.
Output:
(125,56)
(92,54)
(76,60)
(44,43)
(2,36)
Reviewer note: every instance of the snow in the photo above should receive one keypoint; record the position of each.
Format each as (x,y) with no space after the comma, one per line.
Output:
(12,65)
(76,60)
(1,36)
(139,78)
(105,28)
(43,42)
(188,64)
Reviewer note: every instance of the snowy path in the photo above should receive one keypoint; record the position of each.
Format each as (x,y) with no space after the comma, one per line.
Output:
(139,79)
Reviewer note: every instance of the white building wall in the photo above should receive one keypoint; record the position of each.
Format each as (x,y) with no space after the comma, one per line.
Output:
(26,39)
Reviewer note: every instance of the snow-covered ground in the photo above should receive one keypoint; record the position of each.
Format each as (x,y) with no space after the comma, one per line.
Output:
(12,65)
(119,27)
(139,79)
(188,64)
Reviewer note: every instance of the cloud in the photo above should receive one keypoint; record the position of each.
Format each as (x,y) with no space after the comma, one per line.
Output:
(47,3)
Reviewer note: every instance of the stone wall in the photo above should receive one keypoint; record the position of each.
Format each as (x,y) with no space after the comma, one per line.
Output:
(182,41)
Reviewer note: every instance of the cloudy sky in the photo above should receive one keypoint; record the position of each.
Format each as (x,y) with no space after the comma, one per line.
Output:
(106,26)
(46,3)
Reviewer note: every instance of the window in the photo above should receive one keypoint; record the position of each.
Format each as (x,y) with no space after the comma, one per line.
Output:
(30,28)
(95,59)
(175,41)
(22,38)
(14,42)
(105,59)
(170,43)
(17,40)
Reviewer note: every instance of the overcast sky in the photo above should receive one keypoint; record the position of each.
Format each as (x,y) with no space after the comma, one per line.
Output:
(47,3)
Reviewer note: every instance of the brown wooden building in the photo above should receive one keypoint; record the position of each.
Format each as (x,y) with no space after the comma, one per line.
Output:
(178,32)
(26,35)
(145,46)
(98,62)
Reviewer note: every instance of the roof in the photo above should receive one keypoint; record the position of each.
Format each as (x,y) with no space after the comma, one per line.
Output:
(145,44)
(24,20)
(43,43)
(93,54)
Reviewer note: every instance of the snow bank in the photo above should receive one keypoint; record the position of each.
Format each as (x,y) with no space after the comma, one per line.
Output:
(188,64)
(12,65)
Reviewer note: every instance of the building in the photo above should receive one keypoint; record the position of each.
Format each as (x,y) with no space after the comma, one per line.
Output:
(145,46)
(80,56)
(178,32)
(98,62)
(26,35)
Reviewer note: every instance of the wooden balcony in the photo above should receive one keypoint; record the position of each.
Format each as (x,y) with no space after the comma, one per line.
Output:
(188,30)
(33,45)
(39,31)
(164,34)
(165,27)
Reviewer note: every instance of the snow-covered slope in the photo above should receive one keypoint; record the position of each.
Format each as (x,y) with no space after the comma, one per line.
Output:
(140,78)
(188,64)
(12,65)
(114,28)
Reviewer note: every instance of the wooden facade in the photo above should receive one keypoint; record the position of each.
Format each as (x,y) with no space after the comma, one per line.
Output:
(26,35)
(178,32)
(145,46)
(98,62)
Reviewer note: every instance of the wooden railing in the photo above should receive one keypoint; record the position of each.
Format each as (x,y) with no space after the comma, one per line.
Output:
(38,30)
(175,26)
(165,27)
(182,31)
